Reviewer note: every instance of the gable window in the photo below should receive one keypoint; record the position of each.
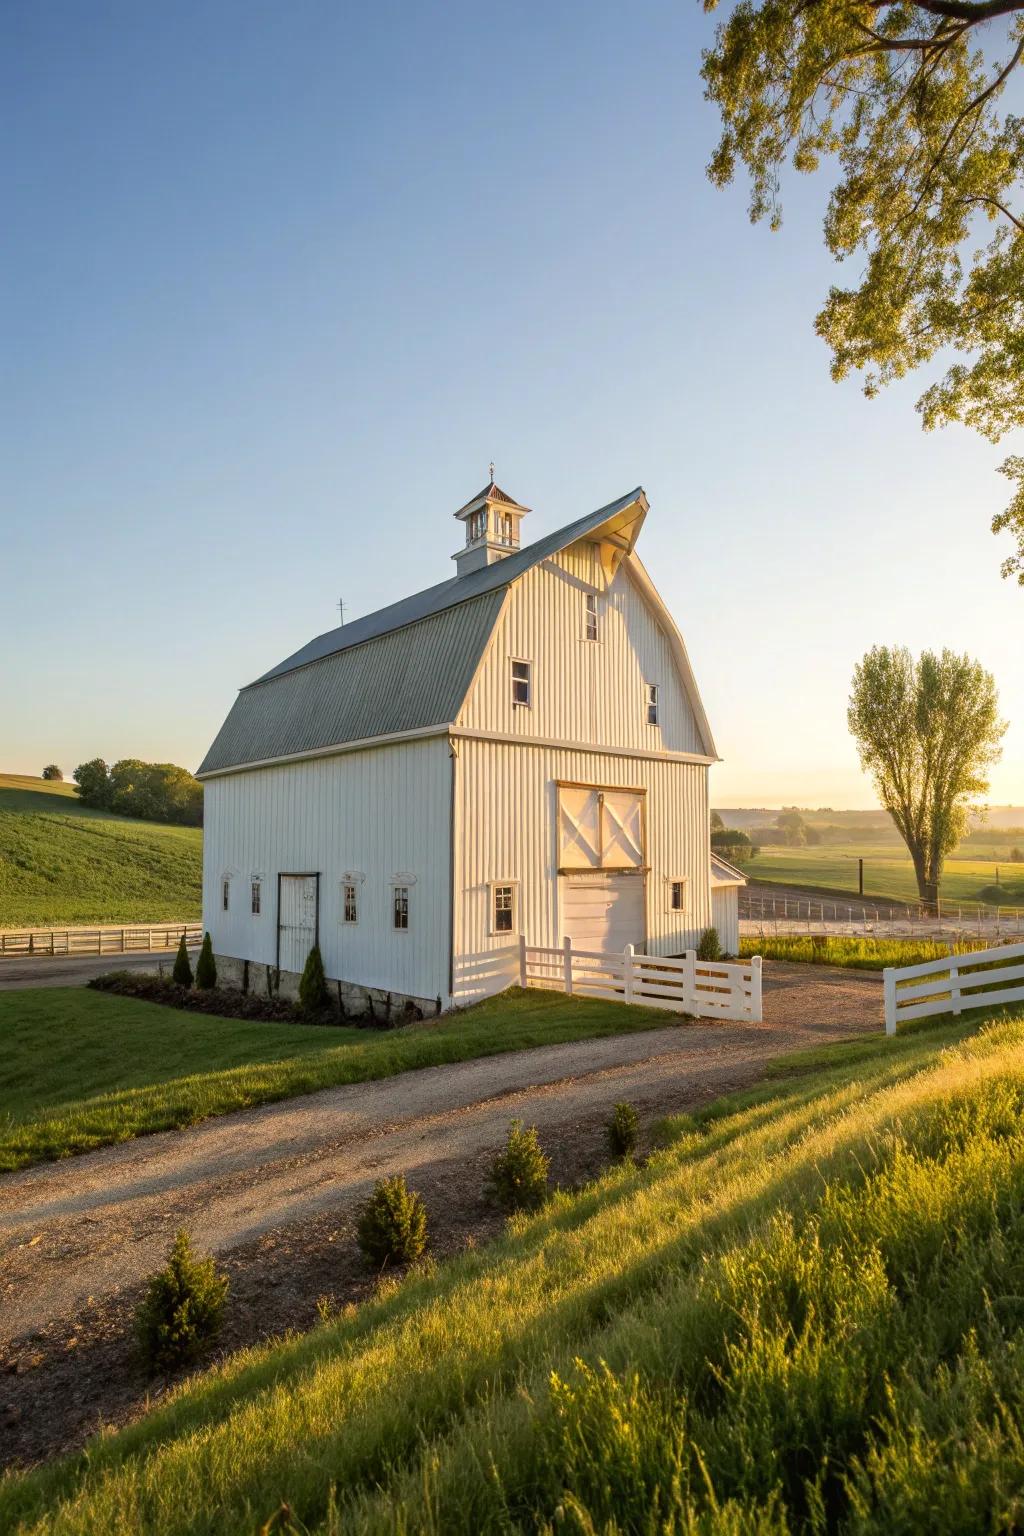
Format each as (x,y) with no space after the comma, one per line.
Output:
(677,895)
(400,908)
(521,683)
(225,893)
(652,703)
(503,907)
(590,616)
(256,897)
(349,902)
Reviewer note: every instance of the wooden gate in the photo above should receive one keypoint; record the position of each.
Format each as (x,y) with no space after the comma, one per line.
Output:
(298,919)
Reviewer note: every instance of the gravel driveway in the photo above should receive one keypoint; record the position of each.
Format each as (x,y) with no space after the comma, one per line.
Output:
(77,1232)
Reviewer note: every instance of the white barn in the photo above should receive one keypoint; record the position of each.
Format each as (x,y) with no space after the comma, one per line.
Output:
(521,749)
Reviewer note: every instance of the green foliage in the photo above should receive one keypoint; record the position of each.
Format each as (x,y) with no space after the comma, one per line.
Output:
(623,1130)
(52,774)
(149,791)
(206,965)
(733,845)
(392,1224)
(75,1078)
(519,1174)
(926,731)
(856,954)
(709,946)
(182,973)
(313,995)
(62,863)
(717,824)
(901,102)
(182,1309)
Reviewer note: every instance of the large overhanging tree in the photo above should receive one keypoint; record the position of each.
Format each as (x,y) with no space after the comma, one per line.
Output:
(926,732)
(904,101)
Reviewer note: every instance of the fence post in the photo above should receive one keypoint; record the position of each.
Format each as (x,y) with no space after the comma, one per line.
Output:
(690,981)
(954,987)
(567,964)
(755,990)
(627,971)
(522,960)
(889,988)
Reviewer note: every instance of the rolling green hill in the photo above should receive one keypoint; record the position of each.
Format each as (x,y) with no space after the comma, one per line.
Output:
(61,863)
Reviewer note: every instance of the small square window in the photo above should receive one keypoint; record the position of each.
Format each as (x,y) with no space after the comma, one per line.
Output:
(521,683)
(349,902)
(400,907)
(503,908)
(257,897)
(652,703)
(677,895)
(225,894)
(590,617)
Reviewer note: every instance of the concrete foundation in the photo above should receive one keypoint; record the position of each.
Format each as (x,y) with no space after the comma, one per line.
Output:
(355,999)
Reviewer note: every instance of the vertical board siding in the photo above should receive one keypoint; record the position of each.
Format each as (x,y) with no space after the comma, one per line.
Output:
(506,818)
(380,812)
(725,917)
(583,690)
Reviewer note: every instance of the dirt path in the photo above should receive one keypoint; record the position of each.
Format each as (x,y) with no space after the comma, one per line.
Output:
(272,1190)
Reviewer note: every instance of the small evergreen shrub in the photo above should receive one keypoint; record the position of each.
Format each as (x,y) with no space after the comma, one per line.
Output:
(392,1224)
(206,965)
(182,1309)
(709,947)
(519,1174)
(182,973)
(623,1130)
(313,983)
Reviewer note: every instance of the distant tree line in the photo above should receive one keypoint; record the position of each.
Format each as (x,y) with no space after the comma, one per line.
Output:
(150,791)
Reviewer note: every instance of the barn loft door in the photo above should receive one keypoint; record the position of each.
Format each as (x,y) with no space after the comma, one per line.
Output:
(600,828)
(298,920)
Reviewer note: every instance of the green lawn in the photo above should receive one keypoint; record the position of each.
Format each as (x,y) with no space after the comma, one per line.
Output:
(887,873)
(803,1315)
(79,1069)
(63,864)
(855,954)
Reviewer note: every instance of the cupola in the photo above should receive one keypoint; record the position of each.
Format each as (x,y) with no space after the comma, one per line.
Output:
(491,521)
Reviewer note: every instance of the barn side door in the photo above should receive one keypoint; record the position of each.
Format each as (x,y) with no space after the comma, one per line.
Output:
(298,919)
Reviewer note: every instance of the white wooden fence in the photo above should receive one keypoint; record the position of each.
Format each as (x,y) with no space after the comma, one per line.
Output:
(706,988)
(953,983)
(98,941)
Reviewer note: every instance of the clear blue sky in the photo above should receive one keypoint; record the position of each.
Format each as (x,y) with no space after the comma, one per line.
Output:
(279,280)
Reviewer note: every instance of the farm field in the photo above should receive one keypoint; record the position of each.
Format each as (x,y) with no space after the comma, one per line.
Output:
(805,1302)
(84,1069)
(64,864)
(888,873)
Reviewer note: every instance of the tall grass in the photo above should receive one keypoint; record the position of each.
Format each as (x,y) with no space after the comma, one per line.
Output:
(804,1314)
(857,954)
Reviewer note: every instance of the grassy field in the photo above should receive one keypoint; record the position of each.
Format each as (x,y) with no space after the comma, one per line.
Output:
(803,1315)
(855,954)
(61,863)
(82,1069)
(887,873)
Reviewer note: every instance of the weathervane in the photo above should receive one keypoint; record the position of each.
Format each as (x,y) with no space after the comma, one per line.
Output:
(492,471)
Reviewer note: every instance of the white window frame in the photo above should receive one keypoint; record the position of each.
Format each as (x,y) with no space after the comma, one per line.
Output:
(396,886)
(256,895)
(225,893)
(591,628)
(652,704)
(682,881)
(494,886)
(343,918)
(521,661)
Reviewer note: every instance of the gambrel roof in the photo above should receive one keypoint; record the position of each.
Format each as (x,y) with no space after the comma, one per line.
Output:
(409,666)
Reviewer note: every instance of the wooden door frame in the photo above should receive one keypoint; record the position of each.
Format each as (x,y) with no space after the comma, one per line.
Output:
(296,874)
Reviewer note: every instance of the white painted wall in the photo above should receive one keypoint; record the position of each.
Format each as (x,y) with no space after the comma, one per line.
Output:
(725,916)
(583,690)
(506,829)
(380,812)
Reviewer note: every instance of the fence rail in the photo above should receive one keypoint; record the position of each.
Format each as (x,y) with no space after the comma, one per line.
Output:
(979,979)
(133,939)
(802,914)
(683,984)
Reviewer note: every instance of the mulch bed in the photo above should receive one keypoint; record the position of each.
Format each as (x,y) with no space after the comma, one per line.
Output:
(229,1003)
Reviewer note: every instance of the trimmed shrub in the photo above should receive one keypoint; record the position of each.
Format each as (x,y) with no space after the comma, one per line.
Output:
(392,1224)
(623,1130)
(313,996)
(709,947)
(519,1175)
(206,965)
(182,973)
(182,1309)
